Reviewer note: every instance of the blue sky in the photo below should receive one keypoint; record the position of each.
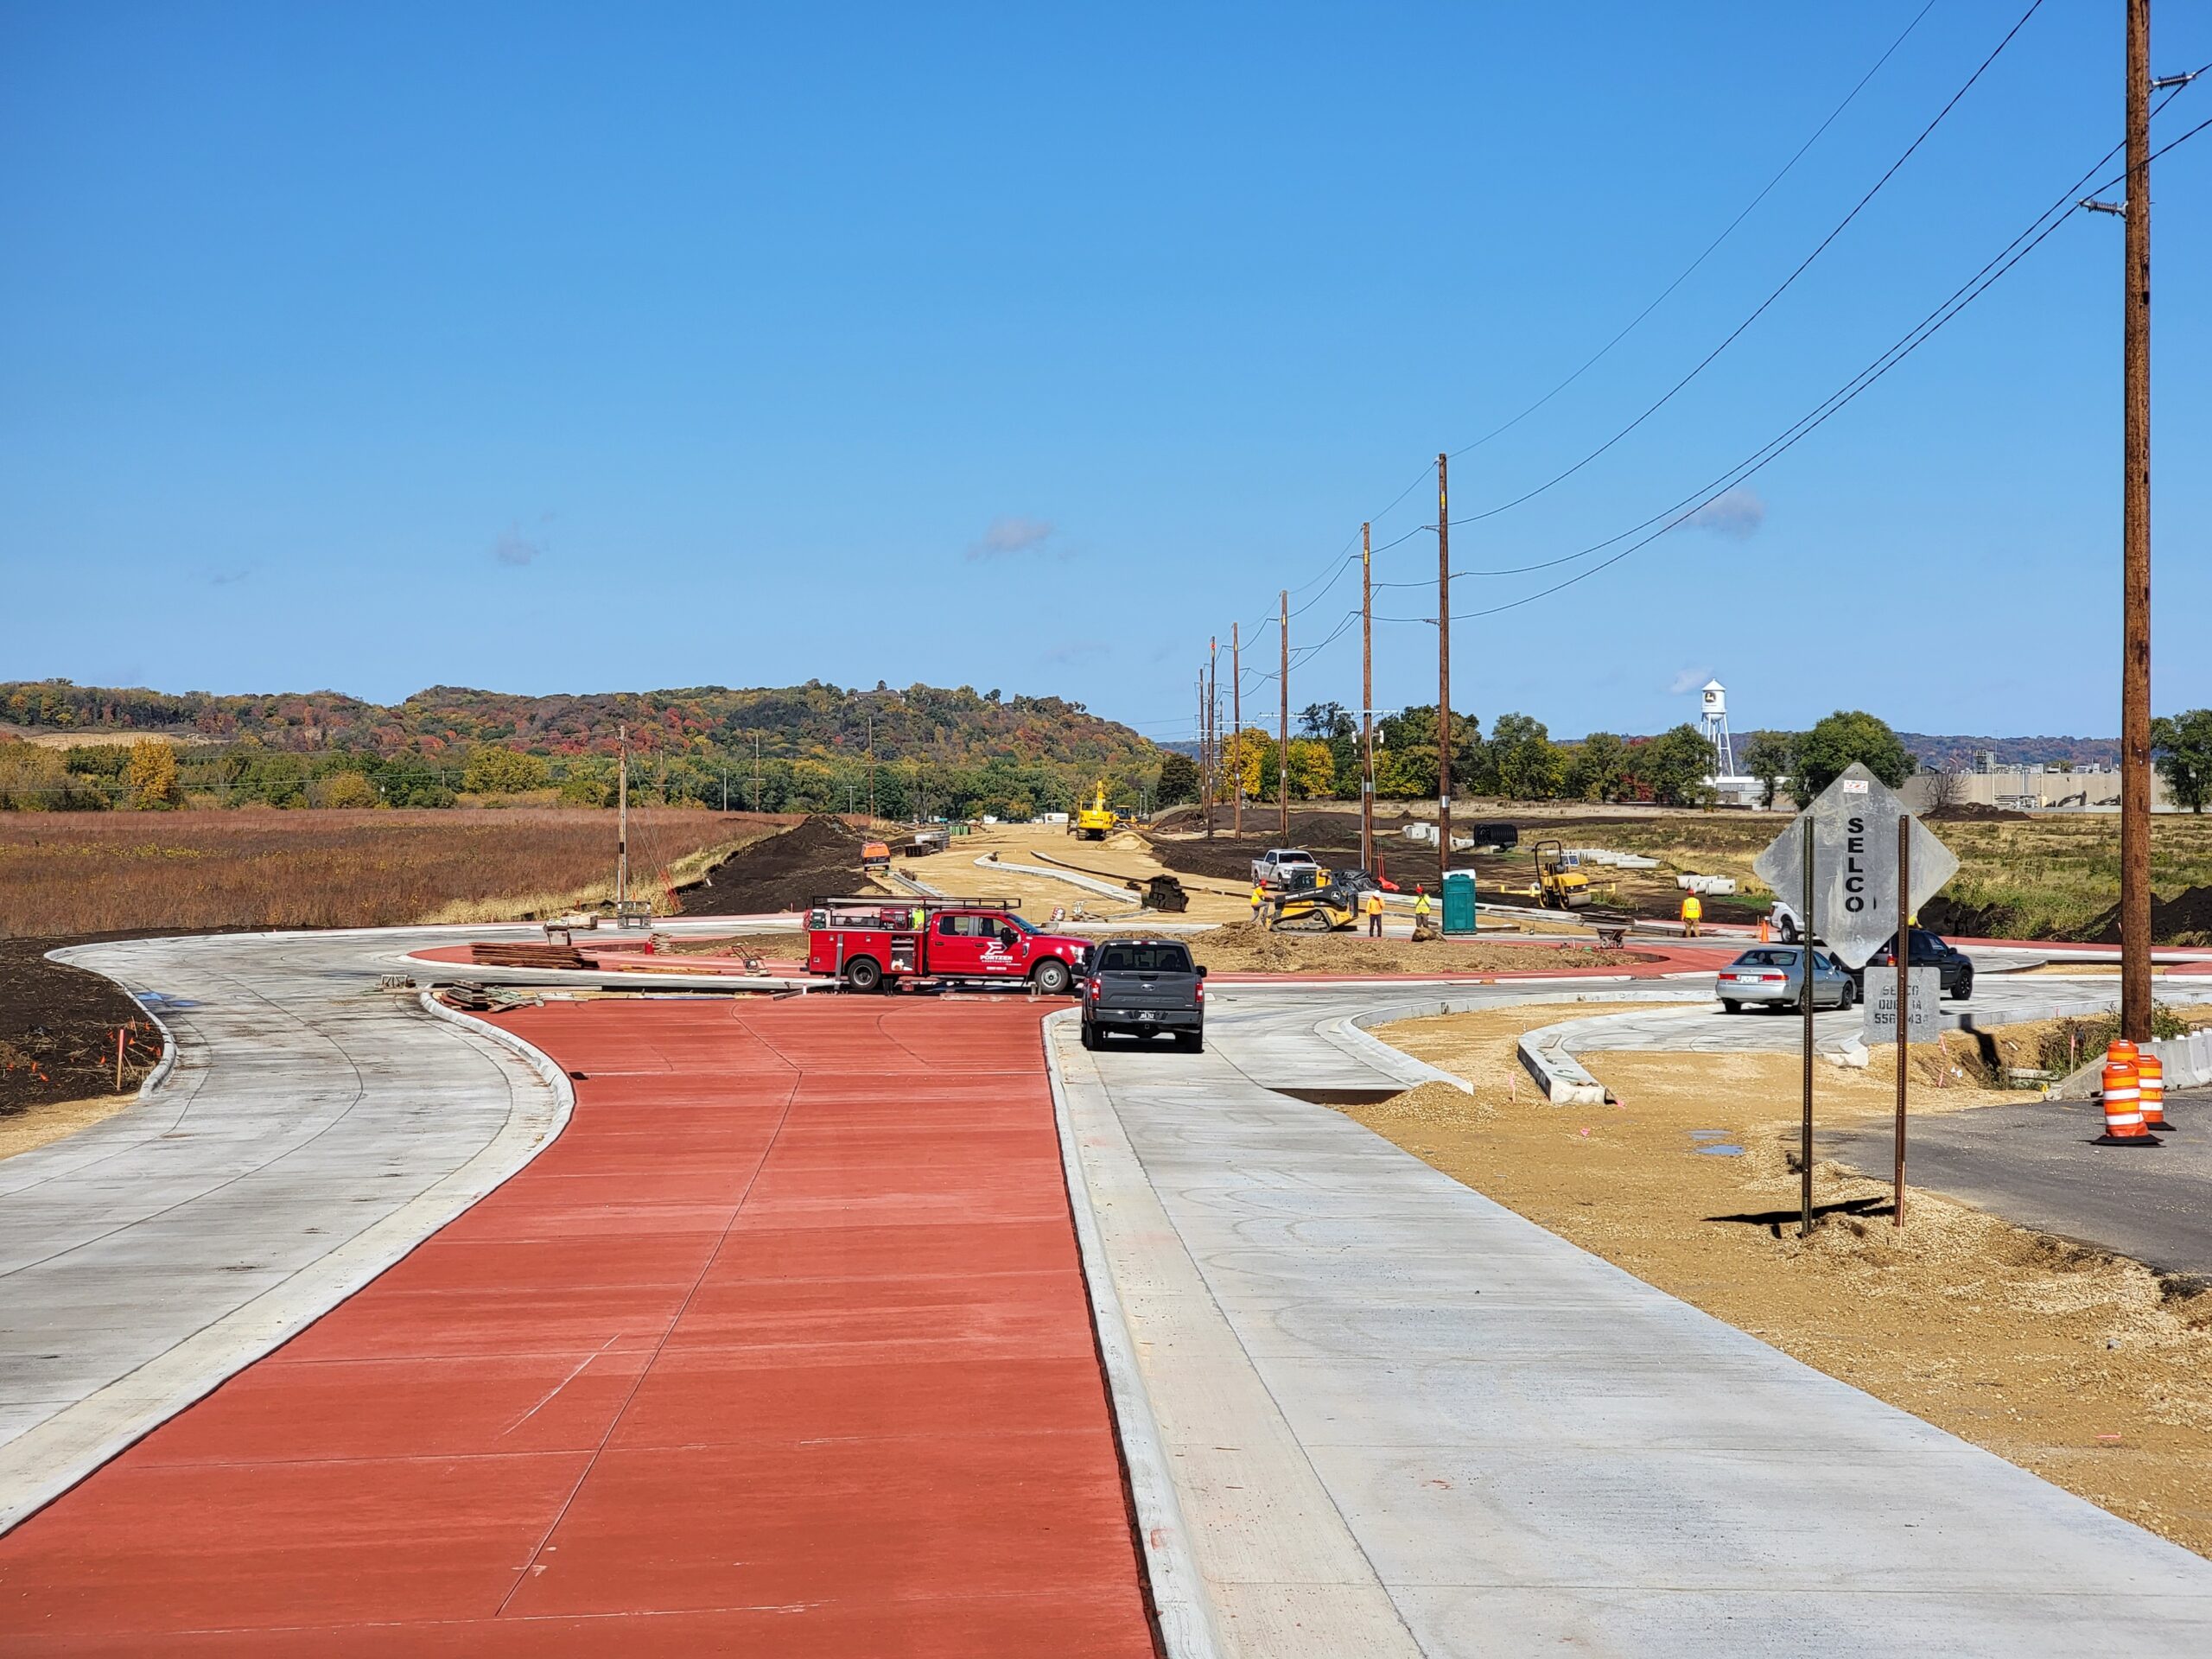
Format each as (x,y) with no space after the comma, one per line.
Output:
(558,349)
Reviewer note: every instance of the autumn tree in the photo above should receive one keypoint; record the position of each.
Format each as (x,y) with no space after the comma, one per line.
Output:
(1841,738)
(1771,757)
(149,777)
(1596,770)
(1674,765)
(494,770)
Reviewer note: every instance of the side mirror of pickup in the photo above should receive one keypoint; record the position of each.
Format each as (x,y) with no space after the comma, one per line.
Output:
(1202,971)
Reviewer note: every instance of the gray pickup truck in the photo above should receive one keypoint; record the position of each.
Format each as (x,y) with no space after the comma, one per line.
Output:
(1147,988)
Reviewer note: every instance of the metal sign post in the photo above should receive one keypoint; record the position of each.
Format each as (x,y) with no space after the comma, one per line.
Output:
(1905,998)
(1835,856)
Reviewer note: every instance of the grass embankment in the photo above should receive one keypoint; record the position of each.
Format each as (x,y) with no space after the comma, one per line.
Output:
(2088,1369)
(2047,877)
(68,873)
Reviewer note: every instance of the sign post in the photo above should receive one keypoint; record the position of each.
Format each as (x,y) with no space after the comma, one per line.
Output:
(1836,855)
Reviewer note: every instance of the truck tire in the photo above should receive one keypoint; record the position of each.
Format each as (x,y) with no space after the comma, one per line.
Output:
(1089,1036)
(1051,977)
(864,973)
(1191,1042)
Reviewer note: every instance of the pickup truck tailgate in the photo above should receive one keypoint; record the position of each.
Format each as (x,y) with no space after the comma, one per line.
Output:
(1148,990)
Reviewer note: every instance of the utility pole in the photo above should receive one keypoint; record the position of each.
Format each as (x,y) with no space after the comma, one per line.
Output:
(725,783)
(1213,722)
(756,771)
(1443,678)
(1282,748)
(870,765)
(1236,731)
(1205,773)
(621,816)
(1366,702)
(2135,547)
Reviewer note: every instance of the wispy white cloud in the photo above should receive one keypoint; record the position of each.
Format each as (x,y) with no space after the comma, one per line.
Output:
(1009,535)
(1689,679)
(513,548)
(1078,650)
(1737,514)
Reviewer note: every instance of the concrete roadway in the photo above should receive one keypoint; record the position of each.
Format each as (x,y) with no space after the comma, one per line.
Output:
(2033,1164)
(314,1130)
(1402,1420)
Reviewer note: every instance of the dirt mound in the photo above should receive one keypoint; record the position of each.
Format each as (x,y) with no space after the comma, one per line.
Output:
(819,856)
(1976,812)
(2186,918)
(1244,947)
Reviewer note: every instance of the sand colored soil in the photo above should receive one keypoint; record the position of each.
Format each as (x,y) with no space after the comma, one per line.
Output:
(1243,947)
(1122,857)
(2090,1371)
(38,1125)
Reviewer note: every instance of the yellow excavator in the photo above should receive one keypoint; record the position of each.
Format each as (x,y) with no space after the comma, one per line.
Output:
(1094,822)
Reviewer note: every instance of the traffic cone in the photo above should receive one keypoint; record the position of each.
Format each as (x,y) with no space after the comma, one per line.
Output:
(1764,932)
(2123,1102)
(2150,1091)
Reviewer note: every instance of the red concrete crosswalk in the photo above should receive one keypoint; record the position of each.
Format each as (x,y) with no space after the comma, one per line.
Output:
(781,1348)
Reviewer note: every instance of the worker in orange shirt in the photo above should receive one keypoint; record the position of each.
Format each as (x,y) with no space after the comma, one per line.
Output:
(1371,902)
(1693,914)
(1259,900)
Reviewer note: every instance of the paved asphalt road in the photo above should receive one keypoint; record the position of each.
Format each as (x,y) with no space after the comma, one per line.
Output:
(2035,1164)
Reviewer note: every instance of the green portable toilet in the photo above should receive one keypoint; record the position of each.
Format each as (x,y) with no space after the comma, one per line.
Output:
(1459,901)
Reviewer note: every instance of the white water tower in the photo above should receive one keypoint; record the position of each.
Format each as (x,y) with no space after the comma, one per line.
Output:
(1713,725)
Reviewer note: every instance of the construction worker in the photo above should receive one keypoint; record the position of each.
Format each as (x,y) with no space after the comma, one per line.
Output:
(1422,911)
(919,920)
(1371,902)
(1259,900)
(1693,914)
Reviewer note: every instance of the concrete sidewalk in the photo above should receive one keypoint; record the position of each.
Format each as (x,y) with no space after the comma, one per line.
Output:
(1402,1419)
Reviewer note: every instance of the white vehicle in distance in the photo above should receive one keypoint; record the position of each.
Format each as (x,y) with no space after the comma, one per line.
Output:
(1772,976)
(1782,918)
(1285,866)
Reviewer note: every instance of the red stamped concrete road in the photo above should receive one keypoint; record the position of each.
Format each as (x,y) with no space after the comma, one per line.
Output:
(782,1349)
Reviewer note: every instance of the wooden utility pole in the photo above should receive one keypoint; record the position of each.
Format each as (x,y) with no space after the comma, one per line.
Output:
(1236,731)
(1366,702)
(1213,721)
(2135,548)
(621,815)
(1206,772)
(1282,746)
(870,765)
(1443,677)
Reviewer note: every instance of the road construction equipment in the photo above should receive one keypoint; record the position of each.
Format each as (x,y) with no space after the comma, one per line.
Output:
(1560,882)
(875,855)
(1094,822)
(1327,907)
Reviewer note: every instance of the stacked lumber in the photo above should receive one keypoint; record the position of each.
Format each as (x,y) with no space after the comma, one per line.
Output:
(524,954)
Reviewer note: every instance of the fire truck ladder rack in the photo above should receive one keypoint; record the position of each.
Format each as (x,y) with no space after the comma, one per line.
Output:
(879,901)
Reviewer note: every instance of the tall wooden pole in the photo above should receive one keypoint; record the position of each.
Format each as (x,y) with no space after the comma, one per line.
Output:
(1282,748)
(1366,702)
(1443,676)
(1205,772)
(1213,723)
(1236,732)
(871,764)
(621,815)
(2135,558)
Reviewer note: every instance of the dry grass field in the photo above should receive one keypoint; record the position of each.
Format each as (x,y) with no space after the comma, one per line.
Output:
(64,874)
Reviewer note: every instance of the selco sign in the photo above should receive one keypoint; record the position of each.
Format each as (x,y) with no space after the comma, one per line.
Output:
(1853,830)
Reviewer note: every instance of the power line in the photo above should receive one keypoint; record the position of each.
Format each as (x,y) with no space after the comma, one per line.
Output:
(1764,305)
(1836,402)
(1726,230)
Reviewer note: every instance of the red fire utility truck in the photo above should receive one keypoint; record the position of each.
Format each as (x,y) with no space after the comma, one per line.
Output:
(866,941)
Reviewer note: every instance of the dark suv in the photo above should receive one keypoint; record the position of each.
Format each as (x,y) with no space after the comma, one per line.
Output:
(1953,964)
(1145,988)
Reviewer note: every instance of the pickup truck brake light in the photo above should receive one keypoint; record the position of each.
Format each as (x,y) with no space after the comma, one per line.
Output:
(1199,993)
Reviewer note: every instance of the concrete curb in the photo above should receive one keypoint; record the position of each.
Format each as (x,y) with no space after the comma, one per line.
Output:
(167,1064)
(45,1461)
(1178,1592)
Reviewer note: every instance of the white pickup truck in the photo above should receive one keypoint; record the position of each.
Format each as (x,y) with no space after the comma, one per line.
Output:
(1285,867)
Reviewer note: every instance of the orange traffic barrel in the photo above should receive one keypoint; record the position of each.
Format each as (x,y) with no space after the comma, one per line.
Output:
(2123,1102)
(2151,1091)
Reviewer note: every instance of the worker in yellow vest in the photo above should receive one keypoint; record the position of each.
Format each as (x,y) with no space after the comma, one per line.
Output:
(1693,914)
(1371,902)
(1422,911)
(1259,900)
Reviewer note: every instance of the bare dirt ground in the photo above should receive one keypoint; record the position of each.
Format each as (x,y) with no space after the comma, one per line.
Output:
(2088,1369)
(1243,947)
(36,1125)
(57,1032)
(1124,857)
